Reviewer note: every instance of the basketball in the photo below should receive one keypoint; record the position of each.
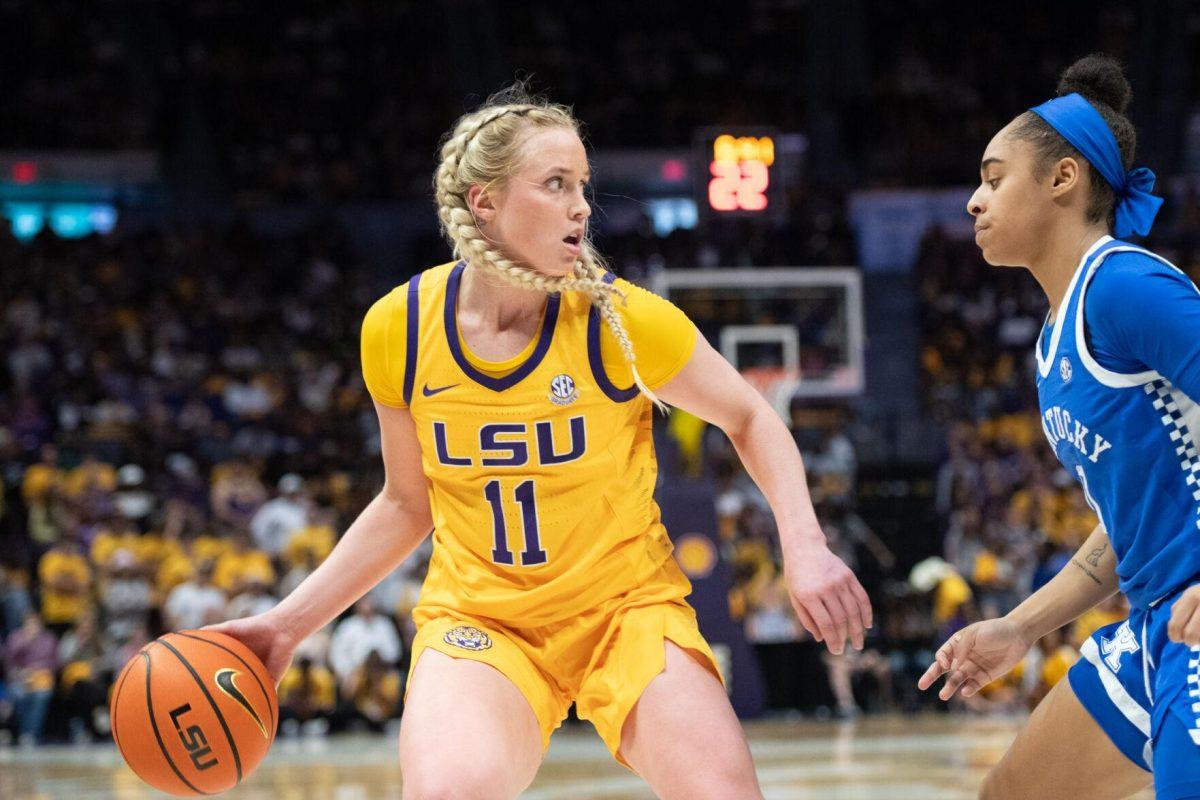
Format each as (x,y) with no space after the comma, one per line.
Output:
(194,713)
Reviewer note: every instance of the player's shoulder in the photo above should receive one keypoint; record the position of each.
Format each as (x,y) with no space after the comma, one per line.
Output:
(397,299)
(637,297)
(437,275)
(1133,261)
(1130,278)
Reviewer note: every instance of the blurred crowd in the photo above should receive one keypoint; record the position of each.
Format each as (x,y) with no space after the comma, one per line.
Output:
(183,433)
(72,81)
(320,101)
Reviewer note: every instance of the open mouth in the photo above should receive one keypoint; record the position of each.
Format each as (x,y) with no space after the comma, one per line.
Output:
(572,240)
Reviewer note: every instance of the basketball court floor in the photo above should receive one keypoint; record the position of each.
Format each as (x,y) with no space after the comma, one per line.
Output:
(935,757)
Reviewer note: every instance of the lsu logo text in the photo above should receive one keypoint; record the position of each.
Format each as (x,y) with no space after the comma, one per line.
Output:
(193,739)
(508,444)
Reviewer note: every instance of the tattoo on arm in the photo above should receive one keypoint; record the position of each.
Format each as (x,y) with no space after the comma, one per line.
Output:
(1089,573)
(1094,557)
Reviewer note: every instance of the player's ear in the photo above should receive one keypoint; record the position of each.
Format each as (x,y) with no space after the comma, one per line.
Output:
(1064,176)
(481,203)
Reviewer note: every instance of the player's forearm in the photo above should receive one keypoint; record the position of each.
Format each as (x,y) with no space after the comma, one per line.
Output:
(385,533)
(1089,578)
(769,454)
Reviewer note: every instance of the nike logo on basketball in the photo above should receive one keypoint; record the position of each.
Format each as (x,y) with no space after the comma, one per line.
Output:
(224,679)
(425,390)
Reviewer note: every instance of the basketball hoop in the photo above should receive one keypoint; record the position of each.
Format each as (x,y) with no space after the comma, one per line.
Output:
(777,384)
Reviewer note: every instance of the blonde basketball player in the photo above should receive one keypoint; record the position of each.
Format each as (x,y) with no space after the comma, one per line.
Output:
(515,392)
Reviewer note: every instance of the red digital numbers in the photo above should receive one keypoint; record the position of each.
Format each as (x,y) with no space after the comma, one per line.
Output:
(740,173)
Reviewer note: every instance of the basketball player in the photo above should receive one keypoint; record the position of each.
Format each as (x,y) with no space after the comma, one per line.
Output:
(515,391)
(1118,367)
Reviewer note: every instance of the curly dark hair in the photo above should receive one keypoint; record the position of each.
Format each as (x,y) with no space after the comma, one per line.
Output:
(1101,81)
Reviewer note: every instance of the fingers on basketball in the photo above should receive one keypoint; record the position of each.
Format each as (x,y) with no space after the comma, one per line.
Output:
(194,713)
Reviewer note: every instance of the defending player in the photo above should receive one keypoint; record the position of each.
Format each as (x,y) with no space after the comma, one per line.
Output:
(1118,368)
(515,392)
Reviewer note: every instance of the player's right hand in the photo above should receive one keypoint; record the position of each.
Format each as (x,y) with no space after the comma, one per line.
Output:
(265,638)
(976,656)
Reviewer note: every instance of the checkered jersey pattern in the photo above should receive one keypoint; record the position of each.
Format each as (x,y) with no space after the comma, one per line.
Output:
(1164,400)
(1193,680)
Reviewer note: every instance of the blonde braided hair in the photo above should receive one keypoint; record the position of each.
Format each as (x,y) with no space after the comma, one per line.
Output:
(482,148)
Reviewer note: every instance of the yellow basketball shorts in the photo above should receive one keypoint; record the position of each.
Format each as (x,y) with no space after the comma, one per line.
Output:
(602,660)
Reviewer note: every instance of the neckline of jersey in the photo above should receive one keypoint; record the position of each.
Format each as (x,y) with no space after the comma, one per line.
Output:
(456,344)
(1056,327)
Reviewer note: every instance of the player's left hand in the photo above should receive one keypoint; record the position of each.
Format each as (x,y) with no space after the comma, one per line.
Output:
(829,600)
(1185,618)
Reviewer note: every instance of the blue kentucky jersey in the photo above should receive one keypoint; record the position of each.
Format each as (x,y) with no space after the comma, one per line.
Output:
(1130,440)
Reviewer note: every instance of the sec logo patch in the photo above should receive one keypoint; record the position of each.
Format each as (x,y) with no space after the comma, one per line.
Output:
(563,390)
(1064,369)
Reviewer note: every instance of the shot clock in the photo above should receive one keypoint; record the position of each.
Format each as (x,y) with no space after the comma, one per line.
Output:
(738,173)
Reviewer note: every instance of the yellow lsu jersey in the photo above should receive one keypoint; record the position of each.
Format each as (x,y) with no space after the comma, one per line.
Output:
(541,469)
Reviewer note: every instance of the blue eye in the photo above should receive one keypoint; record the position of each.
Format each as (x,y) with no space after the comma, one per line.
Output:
(555,183)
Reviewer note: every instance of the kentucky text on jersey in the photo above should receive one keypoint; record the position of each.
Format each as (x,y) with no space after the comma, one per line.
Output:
(1059,425)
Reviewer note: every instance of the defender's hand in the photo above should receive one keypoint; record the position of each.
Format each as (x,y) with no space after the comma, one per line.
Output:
(976,656)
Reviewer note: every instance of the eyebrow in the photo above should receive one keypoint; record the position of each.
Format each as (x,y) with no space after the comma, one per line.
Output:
(987,162)
(587,176)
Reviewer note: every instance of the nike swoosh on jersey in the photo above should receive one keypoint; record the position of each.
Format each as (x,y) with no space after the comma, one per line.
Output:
(224,679)
(425,390)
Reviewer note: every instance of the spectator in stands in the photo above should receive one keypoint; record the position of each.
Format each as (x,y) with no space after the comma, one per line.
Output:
(82,681)
(1055,657)
(15,602)
(30,662)
(273,524)
(40,486)
(842,669)
(65,578)
(126,596)
(357,636)
(237,494)
(776,635)
(133,500)
(373,692)
(118,656)
(397,593)
(196,602)
(255,597)
(303,563)
(238,564)
(307,698)
(314,540)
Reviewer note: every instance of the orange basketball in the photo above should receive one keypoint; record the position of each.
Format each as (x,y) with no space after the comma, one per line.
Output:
(194,713)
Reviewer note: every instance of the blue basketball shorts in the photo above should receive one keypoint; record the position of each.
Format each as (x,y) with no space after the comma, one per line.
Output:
(1144,691)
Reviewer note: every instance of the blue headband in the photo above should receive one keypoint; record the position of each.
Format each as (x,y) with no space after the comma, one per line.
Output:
(1082,126)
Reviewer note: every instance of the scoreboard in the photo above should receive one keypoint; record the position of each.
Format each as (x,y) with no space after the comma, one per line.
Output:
(738,173)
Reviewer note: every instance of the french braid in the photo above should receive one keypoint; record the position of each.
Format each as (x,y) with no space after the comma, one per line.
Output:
(481,149)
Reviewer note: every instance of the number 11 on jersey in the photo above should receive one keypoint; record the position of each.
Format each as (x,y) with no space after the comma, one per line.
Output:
(533,553)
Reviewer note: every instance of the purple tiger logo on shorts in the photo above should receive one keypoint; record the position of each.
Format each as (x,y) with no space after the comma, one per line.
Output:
(468,638)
